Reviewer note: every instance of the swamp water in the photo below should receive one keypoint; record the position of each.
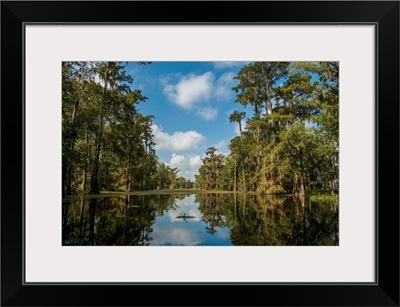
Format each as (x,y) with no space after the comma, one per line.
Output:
(199,219)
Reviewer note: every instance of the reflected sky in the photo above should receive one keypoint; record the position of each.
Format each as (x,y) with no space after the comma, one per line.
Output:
(170,229)
(185,207)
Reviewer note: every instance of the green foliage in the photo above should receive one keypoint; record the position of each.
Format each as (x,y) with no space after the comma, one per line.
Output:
(107,144)
(328,199)
(291,143)
(210,171)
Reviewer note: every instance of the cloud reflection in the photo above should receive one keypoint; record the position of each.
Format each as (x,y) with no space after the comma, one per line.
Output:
(172,235)
(185,206)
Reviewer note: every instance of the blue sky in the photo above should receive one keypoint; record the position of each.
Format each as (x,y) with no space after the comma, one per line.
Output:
(191,103)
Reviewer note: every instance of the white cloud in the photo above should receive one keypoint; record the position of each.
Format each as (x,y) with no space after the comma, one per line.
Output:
(172,235)
(193,92)
(195,161)
(176,159)
(190,89)
(187,165)
(207,113)
(178,141)
(224,84)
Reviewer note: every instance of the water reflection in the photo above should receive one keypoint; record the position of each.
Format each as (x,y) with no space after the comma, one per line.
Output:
(199,219)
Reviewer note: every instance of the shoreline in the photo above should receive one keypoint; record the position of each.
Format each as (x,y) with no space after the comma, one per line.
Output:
(174,191)
(155,192)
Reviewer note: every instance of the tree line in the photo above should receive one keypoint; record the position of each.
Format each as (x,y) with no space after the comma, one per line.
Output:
(290,140)
(107,144)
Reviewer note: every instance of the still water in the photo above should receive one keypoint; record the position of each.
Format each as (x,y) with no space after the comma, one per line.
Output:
(199,219)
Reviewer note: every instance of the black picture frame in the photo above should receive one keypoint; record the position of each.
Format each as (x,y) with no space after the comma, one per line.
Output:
(383,14)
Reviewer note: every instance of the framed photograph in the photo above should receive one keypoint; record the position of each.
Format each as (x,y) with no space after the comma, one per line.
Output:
(241,153)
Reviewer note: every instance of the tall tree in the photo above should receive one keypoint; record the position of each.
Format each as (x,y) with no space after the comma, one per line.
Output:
(211,170)
(113,75)
(256,86)
(237,117)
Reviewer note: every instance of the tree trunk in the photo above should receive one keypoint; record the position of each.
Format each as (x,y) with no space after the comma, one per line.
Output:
(94,181)
(302,192)
(75,110)
(241,152)
(83,185)
(234,177)
(244,181)
(70,161)
(268,104)
(129,181)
